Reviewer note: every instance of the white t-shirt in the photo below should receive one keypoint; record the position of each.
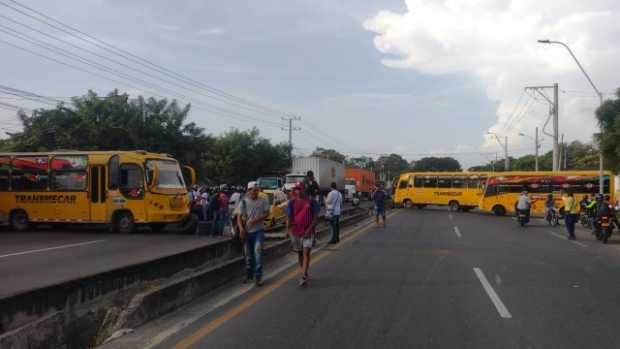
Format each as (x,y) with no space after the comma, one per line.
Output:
(234,198)
(334,202)
(523,203)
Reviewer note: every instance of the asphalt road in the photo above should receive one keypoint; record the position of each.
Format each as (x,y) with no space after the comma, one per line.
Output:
(431,279)
(43,257)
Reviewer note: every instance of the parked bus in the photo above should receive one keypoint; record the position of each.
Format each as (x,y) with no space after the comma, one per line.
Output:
(503,188)
(119,188)
(458,190)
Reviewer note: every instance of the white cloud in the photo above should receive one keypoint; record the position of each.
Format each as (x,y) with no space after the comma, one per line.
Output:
(495,41)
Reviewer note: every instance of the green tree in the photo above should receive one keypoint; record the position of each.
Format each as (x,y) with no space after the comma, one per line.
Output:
(330,154)
(442,164)
(388,166)
(360,162)
(238,157)
(608,116)
(116,122)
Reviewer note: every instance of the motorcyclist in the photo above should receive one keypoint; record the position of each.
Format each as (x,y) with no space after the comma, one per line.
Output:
(612,210)
(583,203)
(592,207)
(523,205)
(549,206)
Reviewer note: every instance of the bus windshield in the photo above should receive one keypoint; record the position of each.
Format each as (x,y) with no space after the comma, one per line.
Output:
(267,183)
(170,176)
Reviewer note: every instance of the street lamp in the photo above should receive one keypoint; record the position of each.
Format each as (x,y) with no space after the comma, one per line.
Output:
(598,93)
(505,146)
(536,144)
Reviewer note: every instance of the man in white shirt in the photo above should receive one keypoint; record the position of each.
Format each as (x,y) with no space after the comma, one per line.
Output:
(333,204)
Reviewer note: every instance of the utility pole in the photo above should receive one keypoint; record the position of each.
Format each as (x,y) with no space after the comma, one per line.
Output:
(561,152)
(537,149)
(290,130)
(601,181)
(555,114)
(505,146)
(536,145)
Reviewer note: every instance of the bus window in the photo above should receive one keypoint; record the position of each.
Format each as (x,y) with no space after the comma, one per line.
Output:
(131,181)
(113,172)
(430,182)
(458,182)
(30,173)
(444,182)
(68,180)
(5,164)
(403,184)
(418,182)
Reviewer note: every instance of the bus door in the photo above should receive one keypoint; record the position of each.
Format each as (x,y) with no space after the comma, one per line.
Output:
(98,194)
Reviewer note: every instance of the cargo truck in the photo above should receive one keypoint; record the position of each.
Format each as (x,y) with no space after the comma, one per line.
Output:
(325,172)
(363,181)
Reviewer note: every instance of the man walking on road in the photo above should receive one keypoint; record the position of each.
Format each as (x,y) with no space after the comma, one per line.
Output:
(379,197)
(302,218)
(333,204)
(312,187)
(571,212)
(252,212)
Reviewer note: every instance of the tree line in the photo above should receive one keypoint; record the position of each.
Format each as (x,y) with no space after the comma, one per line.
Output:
(117,122)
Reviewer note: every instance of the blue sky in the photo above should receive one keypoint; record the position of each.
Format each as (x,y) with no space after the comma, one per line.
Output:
(365,76)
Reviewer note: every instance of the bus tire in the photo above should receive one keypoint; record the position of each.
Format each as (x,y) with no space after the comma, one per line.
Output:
(407,203)
(19,220)
(420,206)
(123,222)
(454,206)
(499,210)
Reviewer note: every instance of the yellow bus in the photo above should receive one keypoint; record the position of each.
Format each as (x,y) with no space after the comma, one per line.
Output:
(459,190)
(503,188)
(119,188)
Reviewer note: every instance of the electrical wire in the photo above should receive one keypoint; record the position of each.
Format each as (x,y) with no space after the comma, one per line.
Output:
(69,30)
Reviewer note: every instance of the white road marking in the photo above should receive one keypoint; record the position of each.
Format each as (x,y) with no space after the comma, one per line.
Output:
(457,232)
(579,243)
(558,235)
(51,248)
(450,216)
(499,305)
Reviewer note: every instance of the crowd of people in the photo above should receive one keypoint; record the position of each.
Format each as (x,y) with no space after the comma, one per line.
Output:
(243,210)
(589,212)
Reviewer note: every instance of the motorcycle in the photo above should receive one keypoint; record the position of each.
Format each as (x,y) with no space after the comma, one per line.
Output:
(605,228)
(584,220)
(523,217)
(553,217)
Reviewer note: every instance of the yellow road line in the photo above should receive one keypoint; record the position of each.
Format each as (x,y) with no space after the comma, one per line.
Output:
(211,326)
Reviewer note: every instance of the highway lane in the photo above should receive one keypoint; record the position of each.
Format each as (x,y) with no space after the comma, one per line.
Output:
(419,284)
(36,259)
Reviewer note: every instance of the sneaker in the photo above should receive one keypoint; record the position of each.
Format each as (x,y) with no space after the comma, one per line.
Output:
(248,280)
(303,281)
(259,282)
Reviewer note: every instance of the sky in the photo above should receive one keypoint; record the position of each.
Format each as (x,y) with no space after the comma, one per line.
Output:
(415,77)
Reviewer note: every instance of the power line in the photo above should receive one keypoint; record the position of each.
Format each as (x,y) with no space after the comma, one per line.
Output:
(67,29)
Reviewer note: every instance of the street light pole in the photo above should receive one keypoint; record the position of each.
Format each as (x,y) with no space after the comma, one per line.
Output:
(536,145)
(505,146)
(601,182)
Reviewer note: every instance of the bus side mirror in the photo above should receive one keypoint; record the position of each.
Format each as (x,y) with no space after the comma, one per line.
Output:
(192,175)
(155,179)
